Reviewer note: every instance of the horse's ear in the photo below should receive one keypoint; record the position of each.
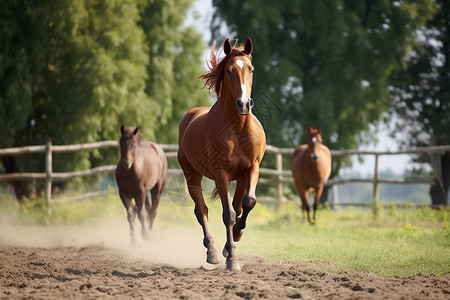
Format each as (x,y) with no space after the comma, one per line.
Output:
(227,47)
(135,130)
(319,130)
(122,129)
(309,129)
(248,48)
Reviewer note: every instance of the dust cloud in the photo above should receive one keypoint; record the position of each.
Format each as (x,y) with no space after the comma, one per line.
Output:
(178,247)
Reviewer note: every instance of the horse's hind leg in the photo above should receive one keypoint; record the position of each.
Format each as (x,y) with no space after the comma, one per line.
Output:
(131,215)
(156,196)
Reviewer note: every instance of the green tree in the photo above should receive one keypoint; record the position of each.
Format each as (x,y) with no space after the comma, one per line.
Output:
(420,96)
(322,63)
(74,71)
(175,53)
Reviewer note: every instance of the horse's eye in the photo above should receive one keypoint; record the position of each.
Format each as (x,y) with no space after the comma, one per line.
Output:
(252,71)
(229,71)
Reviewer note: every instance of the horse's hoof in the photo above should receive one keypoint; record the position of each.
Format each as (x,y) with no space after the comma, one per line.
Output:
(146,235)
(233,265)
(212,257)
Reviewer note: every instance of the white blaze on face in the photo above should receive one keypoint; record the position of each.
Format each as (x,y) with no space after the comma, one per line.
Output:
(314,139)
(244,96)
(240,63)
(244,99)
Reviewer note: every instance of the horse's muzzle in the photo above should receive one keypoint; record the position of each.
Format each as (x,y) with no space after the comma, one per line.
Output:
(127,164)
(245,107)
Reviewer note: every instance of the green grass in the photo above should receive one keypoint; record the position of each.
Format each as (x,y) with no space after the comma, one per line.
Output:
(402,241)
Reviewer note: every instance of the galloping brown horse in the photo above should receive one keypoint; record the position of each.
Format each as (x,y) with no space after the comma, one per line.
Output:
(311,167)
(142,167)
(224,142)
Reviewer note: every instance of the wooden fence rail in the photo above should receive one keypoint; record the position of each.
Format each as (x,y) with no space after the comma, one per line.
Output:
(281,176)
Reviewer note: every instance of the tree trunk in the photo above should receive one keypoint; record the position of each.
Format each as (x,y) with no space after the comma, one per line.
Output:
(22,188)
(440,186)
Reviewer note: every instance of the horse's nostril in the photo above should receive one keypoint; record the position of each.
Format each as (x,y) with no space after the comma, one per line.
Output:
(252,103)
(240,104)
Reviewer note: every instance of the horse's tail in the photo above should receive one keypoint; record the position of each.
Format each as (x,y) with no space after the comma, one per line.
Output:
(214,194)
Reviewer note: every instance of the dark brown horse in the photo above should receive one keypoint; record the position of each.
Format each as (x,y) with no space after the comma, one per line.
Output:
(142,168)
(224,142)
(311,167)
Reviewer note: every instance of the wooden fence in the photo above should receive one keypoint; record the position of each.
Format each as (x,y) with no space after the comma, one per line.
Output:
(281,176)
(285,176)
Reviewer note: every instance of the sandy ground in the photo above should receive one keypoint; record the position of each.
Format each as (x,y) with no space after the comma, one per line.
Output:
(98,263)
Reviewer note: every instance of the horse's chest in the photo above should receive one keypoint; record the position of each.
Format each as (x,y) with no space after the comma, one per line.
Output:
(224,156)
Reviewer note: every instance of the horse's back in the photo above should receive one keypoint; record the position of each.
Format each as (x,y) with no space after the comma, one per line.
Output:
(156,154)
(157,149)
(151,168)
(187,120)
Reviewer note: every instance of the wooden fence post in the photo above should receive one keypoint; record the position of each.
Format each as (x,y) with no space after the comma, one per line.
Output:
(280,177)
(334,189)
(376,188)
(48,172)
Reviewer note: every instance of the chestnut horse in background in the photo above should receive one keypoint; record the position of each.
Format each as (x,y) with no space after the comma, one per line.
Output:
(224,142)
(311,168)
(142,168)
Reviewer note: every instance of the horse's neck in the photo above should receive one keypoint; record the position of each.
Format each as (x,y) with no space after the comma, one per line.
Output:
(318,148)
(224,111)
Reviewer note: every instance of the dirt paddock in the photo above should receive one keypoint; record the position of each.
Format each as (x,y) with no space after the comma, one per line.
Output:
(57,264)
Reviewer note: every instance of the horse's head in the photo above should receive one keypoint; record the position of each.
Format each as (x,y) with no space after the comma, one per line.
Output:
(130,139)
(238,76)
(232,77)
(314,138)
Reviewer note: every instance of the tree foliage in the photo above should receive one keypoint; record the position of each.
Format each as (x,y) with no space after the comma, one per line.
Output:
(323,63)
(74,71)
(420,92)
(176,58)
(420,96)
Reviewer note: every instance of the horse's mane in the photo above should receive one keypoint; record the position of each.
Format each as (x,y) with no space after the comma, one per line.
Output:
(215,75)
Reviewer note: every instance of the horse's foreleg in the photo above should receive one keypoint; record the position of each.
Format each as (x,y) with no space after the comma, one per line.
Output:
(248,203)
(229,219)
(130,216)
(201,212)
(140,199)
(305,204)
(239,193)
(318,195)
